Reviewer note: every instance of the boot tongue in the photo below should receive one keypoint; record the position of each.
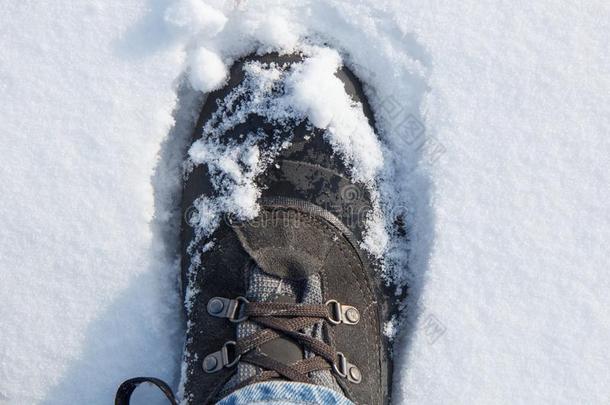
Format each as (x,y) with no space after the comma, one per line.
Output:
(283,349)
(264,287)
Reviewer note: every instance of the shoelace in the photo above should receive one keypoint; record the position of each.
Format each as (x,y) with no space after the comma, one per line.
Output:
(277,320)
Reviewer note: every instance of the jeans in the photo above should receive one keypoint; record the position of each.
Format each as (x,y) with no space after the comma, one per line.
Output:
(285,393)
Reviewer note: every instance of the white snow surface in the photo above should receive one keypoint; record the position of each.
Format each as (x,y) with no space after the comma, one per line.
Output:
(493,122)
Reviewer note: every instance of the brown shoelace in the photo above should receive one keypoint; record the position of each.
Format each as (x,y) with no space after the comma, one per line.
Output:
(277,320)
(284,319)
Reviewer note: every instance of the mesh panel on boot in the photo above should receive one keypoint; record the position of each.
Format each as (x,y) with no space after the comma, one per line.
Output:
(264,287)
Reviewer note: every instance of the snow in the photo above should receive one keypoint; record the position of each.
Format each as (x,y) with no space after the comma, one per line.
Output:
(195,18)
(493,121)
(317,93)
(208,72)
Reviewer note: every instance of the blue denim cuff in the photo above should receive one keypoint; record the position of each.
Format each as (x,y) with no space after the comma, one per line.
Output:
(285,393)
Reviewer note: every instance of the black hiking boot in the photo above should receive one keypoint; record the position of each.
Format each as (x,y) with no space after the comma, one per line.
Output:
(288,295)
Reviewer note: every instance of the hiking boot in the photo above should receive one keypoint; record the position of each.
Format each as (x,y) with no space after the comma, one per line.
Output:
(288,294)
